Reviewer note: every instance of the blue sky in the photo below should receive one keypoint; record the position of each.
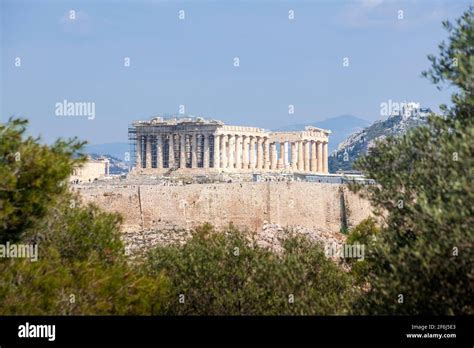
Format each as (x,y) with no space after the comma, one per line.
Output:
(190,62)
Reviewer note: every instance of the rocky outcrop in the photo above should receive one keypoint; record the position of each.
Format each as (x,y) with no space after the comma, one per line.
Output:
(270,236)
(360,142)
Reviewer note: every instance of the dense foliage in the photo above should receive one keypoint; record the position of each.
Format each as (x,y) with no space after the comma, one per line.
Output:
(32,177)
(81,267)
(423,259)
(222,273)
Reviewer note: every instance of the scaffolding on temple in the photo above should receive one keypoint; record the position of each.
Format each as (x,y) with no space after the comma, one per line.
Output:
(132,144)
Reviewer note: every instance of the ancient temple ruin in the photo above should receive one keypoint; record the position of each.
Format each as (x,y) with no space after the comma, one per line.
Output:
(196,145)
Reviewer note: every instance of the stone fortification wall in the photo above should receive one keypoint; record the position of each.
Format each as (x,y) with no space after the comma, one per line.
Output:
(246,204)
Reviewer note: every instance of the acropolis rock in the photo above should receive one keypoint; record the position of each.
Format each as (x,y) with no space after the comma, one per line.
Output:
(192,171)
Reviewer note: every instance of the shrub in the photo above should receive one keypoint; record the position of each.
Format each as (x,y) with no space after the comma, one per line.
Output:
(225,274)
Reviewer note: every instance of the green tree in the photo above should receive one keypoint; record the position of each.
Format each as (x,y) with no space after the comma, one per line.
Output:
(81,266)
(365,233)
(423,259)
(223,273)
(32,177)
(54,286)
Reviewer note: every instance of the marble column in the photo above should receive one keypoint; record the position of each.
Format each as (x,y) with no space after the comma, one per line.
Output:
(217,152)
(314,163)
(252,152)
(238,152)
(300,156)
(148,152)
(273,156)
(194,141)
(259,153)
(294,156)
(266,154)
(159,151)
(171,151)
(284,151)
(306,156)
(279,145)
(206,151)
(280,163)
(223,151)
(231,159)
(245,153)
(138,159)
(280,155)
(319,150)
(182,151)
(325,158)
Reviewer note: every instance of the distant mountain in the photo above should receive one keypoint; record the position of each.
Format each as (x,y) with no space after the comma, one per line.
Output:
(360,142)
(340,126)
(116,150)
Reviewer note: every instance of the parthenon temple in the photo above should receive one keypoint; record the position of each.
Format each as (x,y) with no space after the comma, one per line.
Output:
(196,145)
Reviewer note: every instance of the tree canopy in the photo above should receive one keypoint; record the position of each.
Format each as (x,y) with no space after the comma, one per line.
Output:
(423,259)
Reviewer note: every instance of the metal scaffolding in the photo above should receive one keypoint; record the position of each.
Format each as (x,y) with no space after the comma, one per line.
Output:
(132,143)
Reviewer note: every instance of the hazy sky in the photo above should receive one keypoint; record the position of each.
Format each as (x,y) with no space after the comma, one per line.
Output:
(190,62)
